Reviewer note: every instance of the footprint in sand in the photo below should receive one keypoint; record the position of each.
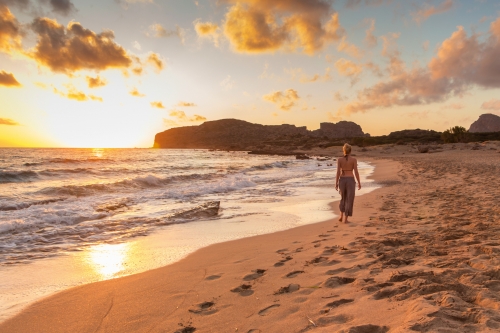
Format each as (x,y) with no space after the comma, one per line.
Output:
(316,261)
(337,281)
(253,330)
(255,275)
(288,289)
(336,271)
(205,308)
(337,303)
(187,329)
(330,320)
(266,311)
(243,290)
(282,261)
(294,274)
(213,277)
(368,329)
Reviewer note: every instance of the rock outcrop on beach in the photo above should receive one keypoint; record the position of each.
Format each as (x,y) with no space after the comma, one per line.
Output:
(241,135)
(486,123)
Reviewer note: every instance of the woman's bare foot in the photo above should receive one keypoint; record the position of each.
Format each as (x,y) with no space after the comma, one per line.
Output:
(346,220)
(341,217)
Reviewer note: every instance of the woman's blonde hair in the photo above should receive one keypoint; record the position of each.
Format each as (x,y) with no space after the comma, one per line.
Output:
(346,149)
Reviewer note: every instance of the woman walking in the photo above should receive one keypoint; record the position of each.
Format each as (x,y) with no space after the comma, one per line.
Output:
(347,168)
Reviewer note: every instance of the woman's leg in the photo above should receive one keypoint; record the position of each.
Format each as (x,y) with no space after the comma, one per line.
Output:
(342,191)
(349,198)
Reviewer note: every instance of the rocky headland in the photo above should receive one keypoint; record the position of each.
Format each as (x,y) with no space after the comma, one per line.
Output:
(486,123)
(237,134)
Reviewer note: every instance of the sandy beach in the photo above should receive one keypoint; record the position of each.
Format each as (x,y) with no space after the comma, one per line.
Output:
(420,254)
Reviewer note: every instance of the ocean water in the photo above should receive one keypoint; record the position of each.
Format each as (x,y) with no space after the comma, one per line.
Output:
(82,215)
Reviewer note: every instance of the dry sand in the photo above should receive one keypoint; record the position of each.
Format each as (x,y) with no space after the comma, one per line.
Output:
(420,254)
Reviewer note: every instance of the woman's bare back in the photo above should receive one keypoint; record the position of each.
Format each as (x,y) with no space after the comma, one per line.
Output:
(347,165)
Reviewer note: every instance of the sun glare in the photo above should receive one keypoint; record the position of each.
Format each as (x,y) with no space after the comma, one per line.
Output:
(108,259)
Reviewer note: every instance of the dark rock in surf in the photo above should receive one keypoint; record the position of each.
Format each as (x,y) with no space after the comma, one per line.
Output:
(208,209)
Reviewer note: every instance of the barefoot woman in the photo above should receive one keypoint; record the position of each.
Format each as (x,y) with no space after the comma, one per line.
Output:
(347,168)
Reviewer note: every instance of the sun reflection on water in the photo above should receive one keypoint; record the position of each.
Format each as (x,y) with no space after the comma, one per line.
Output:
(108,259)
(98,152)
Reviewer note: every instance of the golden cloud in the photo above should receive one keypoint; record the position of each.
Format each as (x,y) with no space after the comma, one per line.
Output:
(346,47)
(158,105)
(76,95)
(8,122)
(347,67)
(134,92)
(181,116)
(157,30)
(155,60)
(75,48)
(10,31)
(186,104)
(429,10)
(284,100)
(95,82)
(298,74)
(255,26)
(8,80)
(461,63)
(208,30)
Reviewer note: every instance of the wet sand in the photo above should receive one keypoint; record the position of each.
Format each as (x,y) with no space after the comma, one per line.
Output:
(420,254)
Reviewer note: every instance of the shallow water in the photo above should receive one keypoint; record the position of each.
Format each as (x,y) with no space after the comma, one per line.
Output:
(76,216)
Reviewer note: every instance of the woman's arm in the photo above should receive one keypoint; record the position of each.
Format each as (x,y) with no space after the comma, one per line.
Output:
(338,175)
(356,173)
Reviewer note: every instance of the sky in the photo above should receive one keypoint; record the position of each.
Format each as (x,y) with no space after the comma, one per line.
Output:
(113,73)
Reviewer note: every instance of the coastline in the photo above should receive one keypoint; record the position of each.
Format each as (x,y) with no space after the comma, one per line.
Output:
(398,266)
(178,269)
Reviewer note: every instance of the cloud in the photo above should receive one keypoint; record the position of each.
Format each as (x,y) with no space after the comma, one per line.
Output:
(181,116)
(134,92)
(349,69)
(158,105)
(155,60)
(370,38)
(461,63)
(136,45)
(227,83)
(208,30)
(74,48)
(255,26)
(338,97)
(493,104)
(8,122)
(299,75)
(76,95)
(352,4)
(158,31)
(419,114)
(428,10)
(63,7)
(8,80)
(346,47)
(333,118)
(10,31)
(186,104)
(284,100)
(95,82)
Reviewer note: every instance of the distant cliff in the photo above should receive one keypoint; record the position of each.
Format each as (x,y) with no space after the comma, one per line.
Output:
(239,134)
(486,123)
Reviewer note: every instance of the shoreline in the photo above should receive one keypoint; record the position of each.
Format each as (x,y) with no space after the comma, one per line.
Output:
(420,254)
(191,258)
